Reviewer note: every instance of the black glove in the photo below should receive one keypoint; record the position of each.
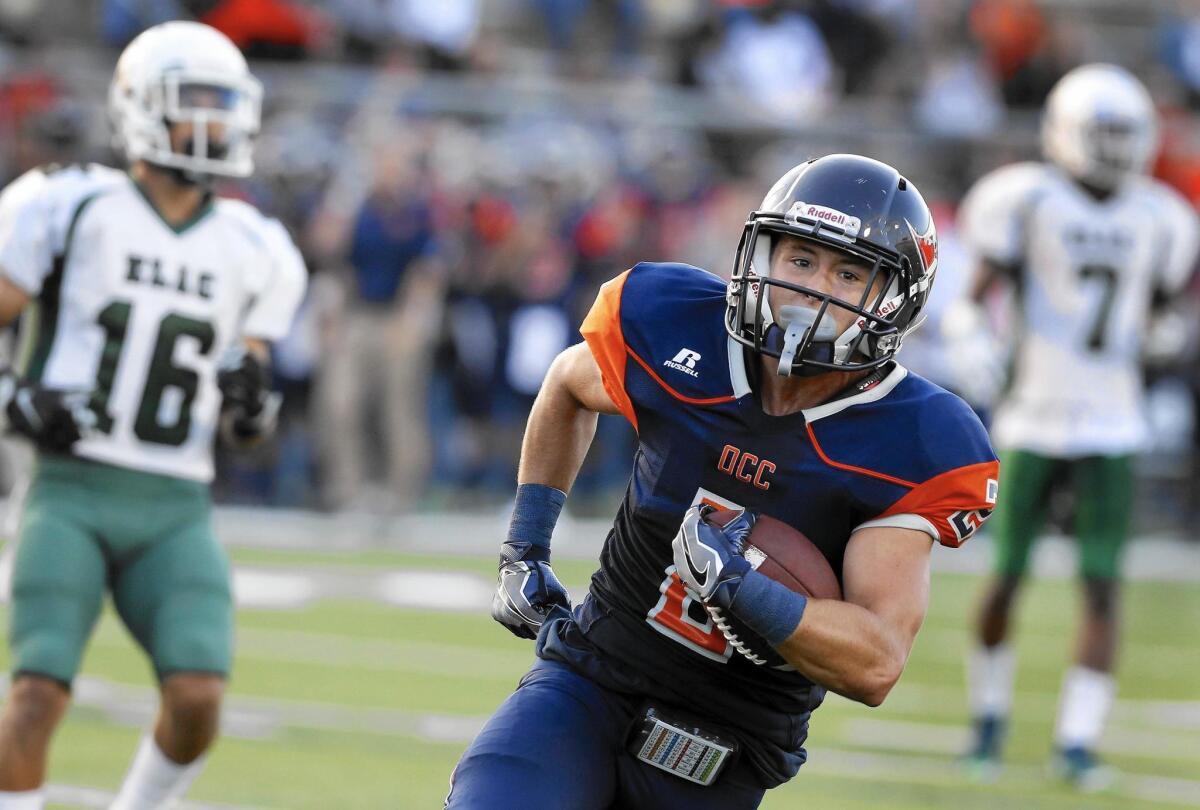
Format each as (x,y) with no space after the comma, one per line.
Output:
(53,418)
(245,385)
(527,591)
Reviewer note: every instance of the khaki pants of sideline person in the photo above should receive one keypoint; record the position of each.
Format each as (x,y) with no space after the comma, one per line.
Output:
(381,356)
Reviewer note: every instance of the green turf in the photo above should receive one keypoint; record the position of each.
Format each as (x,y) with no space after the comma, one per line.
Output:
(372,675)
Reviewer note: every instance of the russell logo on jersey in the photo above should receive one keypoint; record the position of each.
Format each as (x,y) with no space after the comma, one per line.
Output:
(685,360)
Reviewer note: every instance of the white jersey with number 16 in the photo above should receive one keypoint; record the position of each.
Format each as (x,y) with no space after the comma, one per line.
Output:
(139,312)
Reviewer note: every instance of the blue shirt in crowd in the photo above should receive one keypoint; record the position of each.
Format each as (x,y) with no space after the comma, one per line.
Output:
(388,237)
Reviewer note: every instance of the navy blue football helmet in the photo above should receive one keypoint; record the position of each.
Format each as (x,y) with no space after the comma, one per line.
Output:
(855,205)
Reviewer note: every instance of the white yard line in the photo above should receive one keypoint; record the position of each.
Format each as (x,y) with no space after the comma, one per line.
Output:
(953,739)
(937,771)
(75,796)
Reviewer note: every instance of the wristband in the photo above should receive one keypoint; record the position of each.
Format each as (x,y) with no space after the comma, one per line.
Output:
(769,608)
(534,514)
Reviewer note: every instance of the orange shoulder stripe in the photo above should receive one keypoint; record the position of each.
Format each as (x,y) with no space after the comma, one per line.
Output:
(602,331)
(960,488)
(851,468)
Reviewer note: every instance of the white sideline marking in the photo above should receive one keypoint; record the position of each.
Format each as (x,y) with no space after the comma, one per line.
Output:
(932,770)
(256,718)
(91,797)
(275,588)
(435,590)
(945,738)
(912,696)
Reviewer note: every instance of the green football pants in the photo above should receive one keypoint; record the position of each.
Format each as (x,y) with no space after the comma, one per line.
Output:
(88,528)
(1103,487)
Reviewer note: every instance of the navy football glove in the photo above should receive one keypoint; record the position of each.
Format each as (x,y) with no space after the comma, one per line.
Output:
(527,590)
(53,418)
(709,557)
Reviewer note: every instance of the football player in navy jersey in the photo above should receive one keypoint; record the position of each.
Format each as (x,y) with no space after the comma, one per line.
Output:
(686,678)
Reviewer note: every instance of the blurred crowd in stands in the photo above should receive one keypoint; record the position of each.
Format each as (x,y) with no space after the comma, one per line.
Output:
(454,255)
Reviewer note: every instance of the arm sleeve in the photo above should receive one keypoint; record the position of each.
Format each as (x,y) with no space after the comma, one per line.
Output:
(950,507)
(26,233)
(993,214)
(1180,244)
(270,316)
(602,331)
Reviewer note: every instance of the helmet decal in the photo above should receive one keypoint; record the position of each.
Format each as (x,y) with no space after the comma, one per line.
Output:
(926,246)
(802,213)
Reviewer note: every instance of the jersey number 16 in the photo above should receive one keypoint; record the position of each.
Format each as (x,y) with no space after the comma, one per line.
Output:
(161,375)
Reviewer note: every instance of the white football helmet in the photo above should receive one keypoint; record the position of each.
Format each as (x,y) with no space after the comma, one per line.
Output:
(1100,125)
(185,72)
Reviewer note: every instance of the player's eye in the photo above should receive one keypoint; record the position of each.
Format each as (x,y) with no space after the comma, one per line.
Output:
(801,261)
(851,276)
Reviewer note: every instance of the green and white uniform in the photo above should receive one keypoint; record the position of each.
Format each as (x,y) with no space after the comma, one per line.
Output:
(139,313)
(1086,272)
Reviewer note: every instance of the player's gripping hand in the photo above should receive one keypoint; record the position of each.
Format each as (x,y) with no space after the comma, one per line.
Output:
(527,589)
(53,418)
(709,558)
(246,394)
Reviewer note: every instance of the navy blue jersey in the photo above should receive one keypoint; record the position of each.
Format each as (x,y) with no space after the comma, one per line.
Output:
(894,451)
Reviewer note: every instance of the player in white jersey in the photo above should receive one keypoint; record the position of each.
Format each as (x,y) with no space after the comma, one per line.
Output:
(1092,249)
(153,305)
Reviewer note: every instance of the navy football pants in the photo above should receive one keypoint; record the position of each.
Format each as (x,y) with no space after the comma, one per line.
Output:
(558,742)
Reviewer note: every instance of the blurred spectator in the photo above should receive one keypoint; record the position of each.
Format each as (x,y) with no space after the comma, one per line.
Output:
(773,57)
(53,135)
(19,20)
(1027,53)
(445,31)
(958,99)
(1178,162)
(857,40)
(1179,48)
(122,20)
(442,35)
(379,349)
(564,18)
(38,123)
(263,29)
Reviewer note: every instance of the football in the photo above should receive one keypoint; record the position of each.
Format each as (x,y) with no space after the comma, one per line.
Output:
(786,556)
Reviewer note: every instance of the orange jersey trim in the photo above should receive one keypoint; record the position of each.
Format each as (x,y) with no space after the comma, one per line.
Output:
(602,331)
(663,384)
(850,467)
(961,490)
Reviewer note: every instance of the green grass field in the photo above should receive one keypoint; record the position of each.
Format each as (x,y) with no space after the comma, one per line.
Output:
(354,703)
